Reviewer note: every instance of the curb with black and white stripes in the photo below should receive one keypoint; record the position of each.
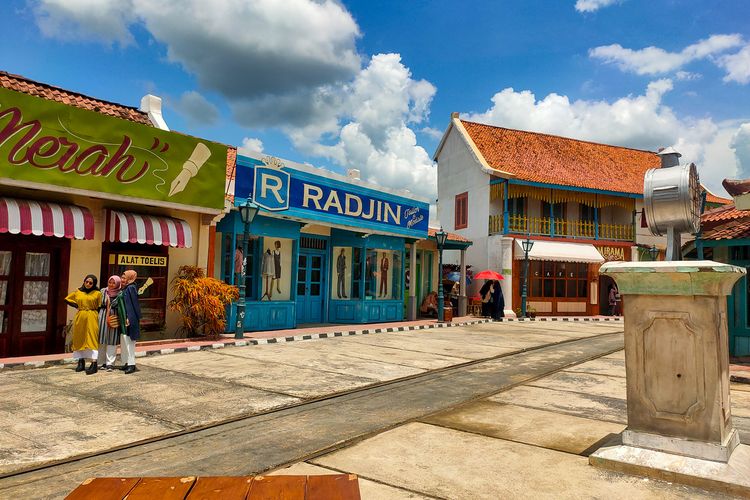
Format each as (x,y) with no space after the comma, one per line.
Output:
(294,338)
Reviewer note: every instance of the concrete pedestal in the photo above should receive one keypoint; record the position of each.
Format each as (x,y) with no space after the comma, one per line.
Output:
(676,359)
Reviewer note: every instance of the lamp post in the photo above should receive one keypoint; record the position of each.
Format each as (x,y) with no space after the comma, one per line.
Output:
(440,237)
(654,252)
(248,211)
(527,245)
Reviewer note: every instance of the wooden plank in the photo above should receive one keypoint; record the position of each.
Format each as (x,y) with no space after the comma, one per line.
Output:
(333,487)
(278,488)
(164,488)
(224,487)
(103,488)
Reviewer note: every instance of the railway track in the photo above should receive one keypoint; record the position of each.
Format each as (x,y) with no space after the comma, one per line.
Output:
(251,444)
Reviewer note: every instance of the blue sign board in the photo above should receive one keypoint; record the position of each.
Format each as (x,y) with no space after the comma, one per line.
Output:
(304,194)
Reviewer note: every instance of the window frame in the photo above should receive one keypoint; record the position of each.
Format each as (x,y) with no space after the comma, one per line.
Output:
(461,212)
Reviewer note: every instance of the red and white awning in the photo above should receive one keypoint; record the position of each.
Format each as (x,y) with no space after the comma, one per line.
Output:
(126,227)
(45,219)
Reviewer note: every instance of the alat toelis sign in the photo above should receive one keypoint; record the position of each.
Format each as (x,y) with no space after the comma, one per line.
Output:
(43,142)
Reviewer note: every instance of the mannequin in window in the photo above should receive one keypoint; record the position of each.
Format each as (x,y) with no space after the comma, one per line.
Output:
(341,273)
(384,265)
(267,271)
(276,267)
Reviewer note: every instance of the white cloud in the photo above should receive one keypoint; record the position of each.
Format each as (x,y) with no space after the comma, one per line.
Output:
(593,5)
(740,143)
(737,66)
(686,76)
(370,130)
(104,20)
(197,109)
(252,144)
(432,133)
(292,65)
(654,60)
(641,122)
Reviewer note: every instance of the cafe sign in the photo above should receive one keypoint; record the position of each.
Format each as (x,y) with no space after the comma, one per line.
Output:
(46,142)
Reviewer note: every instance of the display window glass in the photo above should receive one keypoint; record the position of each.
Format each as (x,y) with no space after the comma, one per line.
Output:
(341,273)
(558,279)
(152,282)
(276,269)
(383,275)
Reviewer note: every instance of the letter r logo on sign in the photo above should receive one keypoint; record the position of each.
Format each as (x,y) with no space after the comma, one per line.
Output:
(271,189)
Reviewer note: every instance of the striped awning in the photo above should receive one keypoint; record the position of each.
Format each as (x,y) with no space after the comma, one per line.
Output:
(41,218)
(126,227)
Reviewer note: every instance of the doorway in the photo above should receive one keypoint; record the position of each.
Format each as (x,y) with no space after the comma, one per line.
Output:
(33,282)
(310,285)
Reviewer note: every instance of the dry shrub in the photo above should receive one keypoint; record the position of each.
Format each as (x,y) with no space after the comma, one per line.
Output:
(201,301)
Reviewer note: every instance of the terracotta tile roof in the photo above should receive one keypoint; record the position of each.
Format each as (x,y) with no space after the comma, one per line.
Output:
(712,198)
(725,223)
(451,236)
(22,84)
(552,159)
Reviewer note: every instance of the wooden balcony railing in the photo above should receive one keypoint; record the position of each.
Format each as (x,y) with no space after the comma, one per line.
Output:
(545,226)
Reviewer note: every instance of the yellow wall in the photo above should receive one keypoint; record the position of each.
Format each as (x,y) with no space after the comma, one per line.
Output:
(86,255)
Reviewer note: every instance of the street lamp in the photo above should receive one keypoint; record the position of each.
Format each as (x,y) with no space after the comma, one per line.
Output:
(248,211)
(654,252)
(527,245)
(440,237)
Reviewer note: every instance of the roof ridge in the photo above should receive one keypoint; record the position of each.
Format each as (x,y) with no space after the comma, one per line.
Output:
(557,136)
(72,92)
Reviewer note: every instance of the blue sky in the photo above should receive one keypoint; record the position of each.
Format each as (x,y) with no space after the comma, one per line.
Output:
(371,85)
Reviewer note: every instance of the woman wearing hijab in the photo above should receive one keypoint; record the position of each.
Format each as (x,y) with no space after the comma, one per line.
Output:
(111,323)
(132,316)
(87,300)
(486,294)
(498,301)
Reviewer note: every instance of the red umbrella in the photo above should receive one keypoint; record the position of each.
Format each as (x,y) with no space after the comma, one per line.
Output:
(488,274)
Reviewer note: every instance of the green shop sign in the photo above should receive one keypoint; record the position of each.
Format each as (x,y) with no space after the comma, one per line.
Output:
(46,142)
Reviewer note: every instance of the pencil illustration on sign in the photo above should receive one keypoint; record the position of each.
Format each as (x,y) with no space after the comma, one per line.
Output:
(190,168)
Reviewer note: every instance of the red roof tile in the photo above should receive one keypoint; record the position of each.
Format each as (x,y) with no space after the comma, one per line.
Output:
(552,159)
(725,223)
(451,236)
(22,84)
(712,198)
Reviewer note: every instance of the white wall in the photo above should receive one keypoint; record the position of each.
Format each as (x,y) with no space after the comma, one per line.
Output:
(459,172)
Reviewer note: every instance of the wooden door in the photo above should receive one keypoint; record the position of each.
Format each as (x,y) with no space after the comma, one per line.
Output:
(33,283)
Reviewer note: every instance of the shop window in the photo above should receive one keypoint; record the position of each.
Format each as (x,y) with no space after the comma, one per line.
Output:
(341,273)
(383,275)
(357,271)
(234,263)
(151,262)
(275,262)
(558,280)
(462,211)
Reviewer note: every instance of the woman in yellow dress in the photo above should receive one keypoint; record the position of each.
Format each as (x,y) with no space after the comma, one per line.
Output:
(87,300)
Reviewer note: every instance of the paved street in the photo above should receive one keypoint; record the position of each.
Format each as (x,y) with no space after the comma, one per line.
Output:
(488,410)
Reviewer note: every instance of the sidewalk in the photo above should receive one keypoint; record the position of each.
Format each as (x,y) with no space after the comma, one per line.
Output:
(159,347)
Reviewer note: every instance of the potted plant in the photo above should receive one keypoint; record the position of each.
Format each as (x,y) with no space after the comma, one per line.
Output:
(531,312)
(201,301)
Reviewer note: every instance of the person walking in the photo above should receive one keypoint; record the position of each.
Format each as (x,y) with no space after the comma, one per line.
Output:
(498,301)
(132,316)
(87,300)
(111,323)
(486,294)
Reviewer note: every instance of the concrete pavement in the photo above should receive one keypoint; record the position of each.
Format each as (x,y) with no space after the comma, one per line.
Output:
(530,440)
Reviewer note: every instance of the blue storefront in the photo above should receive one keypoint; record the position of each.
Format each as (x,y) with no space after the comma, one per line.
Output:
(324,248)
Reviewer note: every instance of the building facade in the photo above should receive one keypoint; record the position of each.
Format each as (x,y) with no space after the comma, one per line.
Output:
(324,248)
(92,187)
(581,203)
